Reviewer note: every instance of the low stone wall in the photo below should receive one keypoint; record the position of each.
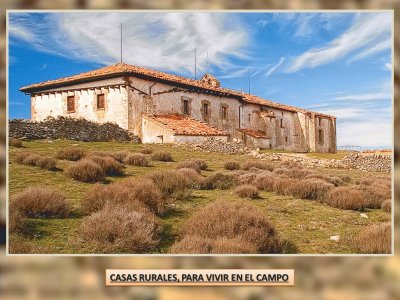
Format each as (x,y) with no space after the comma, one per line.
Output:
(67,128)
(375,162)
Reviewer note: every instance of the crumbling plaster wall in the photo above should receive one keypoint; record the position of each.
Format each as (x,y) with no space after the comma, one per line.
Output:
(53,102)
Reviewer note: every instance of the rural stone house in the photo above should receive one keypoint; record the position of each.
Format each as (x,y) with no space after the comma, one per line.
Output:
(163,108)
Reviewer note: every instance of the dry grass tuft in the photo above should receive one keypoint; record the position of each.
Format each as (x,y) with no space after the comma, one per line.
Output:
(375,239)
(232,165)
(36,202)
(262,165)
(172,183)
(346,197)
(314,189)
(195,164)
(13,142)
(193,176)
(86,170)
(265,181)
(161,156)
(137,159)
(376,190)
(120,230)
(387,205)
(297,173)
(137,195)
(120,155)
(21,156)
(16,221)
(32,160)
(146,151)
(110,166)
(71,153)
(47,163)
(281,184)
(247,191)
(241,220)
(221,181)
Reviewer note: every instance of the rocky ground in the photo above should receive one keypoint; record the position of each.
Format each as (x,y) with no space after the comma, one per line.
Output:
(354,160)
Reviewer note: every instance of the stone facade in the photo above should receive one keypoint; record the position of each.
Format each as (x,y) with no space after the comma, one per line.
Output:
(128,98)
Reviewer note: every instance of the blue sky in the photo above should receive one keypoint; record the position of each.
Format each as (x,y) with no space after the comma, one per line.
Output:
(335,63)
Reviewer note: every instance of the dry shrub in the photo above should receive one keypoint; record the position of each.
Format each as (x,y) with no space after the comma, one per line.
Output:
(387,205)
(21,156)
(199,245)
(234,220)
(100,153)
(231,165)
(330,179)
(13,142)
(137,159)
(116,229)
(36,202)
(221,181)
(86,170)
(193,176)
(71,153)
(32,160)
(262,165)
(110,166)
(195,164)
(247,178)
(47,163)
(265,181)
(346,197)
(375,239)
(172,183)
(376,190)
(16,220)
(138,195)
(146,151)
(247,191)
(120,155)
(314,189)
(161,156)
(281,184)
(345,178)
(297,173)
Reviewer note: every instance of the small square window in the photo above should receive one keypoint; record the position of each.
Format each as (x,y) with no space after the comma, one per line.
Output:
(205,109)
(186,107)
(71,104)
(100,101)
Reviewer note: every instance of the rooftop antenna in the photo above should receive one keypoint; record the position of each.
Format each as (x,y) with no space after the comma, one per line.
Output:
(195,63)
(207,61)
(121,42)
(249,79)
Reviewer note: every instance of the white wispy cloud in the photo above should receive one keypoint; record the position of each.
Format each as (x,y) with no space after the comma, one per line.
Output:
(275,67)
(388,67)
(364,36)
(244,72)
(161,41)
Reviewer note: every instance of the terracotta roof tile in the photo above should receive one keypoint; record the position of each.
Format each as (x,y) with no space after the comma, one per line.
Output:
(183,125)
(122,69)
(254,133)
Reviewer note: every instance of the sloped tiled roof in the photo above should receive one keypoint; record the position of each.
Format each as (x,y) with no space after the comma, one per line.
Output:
(183,125)
(122,69)
(254,133)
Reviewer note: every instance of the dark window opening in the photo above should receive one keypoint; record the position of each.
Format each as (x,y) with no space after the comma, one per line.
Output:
(205,109)
(321,136)
(100,101)
(281,123)
(224,113)
(186,107)
(319,122)
(71,104)
(286,139)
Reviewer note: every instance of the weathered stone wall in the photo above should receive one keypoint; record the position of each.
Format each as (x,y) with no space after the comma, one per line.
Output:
(67,128)
(54,102)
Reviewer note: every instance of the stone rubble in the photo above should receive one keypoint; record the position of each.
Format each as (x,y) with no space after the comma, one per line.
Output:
(351,161)
(67,128)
